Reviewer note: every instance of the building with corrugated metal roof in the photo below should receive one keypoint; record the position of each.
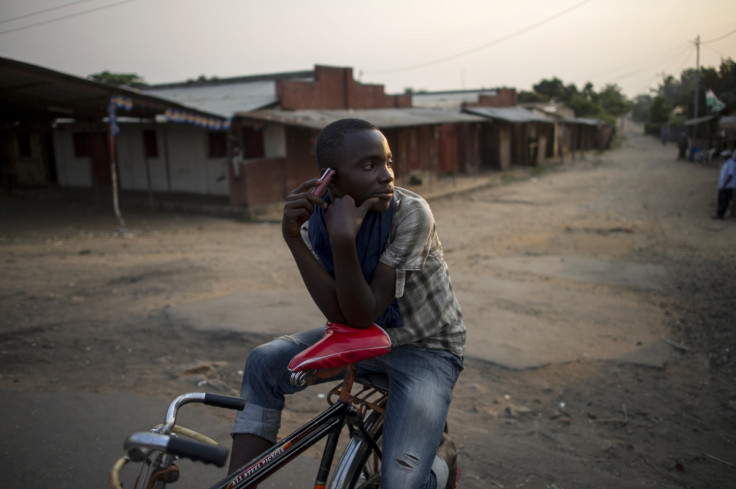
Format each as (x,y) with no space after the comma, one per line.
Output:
(517,135)
(276,118)
(249,140)
(59,129)
(425,143)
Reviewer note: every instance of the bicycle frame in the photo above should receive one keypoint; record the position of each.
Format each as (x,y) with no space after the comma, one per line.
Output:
(328,424)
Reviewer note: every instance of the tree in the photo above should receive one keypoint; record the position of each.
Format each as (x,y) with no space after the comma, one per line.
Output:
(613,101)
(119,79)
(674,99)
(552,89)
(659,115)
(527,97)
(659,111)
(583,105)
(607,105)
(640,108)
(727,90)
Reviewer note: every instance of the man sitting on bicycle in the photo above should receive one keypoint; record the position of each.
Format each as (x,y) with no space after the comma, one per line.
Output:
(368,253)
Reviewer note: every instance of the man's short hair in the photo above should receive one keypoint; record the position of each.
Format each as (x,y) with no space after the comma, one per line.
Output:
(330,139)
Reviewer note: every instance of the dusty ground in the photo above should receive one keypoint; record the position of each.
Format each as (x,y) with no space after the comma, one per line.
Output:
(563,274)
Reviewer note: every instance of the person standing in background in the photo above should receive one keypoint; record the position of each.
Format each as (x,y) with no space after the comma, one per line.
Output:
(726,184)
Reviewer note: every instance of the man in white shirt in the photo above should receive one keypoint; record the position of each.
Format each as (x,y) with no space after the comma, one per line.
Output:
(726,184)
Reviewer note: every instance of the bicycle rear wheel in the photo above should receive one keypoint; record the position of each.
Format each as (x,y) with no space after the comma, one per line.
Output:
(360,465)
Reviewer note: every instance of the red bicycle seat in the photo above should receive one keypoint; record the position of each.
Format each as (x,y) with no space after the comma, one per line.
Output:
(342,345)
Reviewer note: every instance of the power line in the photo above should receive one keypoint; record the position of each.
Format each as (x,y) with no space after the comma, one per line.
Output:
(685,60)
(687,51)
(716,51)
(489,44)
(66,17)
(680,55)
(719,38)
(659,55)
(43,11)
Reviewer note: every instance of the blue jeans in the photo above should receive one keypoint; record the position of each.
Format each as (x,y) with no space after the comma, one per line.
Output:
(420,383)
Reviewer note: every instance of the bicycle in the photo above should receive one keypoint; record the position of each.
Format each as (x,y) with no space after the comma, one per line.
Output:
(359,466)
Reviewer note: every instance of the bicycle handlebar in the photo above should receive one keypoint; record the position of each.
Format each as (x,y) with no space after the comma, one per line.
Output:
(227,402)
(205,398)
(136,444)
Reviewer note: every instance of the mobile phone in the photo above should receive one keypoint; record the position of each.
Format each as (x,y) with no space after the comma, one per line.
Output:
(323,181)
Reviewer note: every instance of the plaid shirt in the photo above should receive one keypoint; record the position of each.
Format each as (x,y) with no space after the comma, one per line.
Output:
(431,313)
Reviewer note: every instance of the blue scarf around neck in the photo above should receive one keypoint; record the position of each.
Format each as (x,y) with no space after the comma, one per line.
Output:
(370,242)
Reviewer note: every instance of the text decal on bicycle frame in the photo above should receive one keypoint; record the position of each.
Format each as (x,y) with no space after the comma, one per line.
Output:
(268,458)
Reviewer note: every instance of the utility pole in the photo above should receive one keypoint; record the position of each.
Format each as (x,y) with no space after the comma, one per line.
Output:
(697,84)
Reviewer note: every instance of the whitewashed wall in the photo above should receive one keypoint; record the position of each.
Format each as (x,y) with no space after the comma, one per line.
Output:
(71,171)
(189,167)
(132,161)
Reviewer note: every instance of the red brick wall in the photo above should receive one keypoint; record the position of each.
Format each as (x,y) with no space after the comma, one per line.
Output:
(301,163)
(261,182)
(269,180)
(505,97)
(334,88)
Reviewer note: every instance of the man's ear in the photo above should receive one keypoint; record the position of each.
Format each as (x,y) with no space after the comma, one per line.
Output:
(332,186)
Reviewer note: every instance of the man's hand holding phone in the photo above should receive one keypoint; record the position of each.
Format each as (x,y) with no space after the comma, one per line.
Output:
(324,180)
(300,204)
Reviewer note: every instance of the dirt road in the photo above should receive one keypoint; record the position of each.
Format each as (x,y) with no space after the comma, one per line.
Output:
(598,296)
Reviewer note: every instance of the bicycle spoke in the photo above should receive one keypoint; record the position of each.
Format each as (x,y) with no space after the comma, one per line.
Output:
(373,482)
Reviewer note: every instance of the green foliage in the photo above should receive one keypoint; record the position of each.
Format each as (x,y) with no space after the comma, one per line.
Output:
(658,115)
(583,105)
(119,79)
(201,79)
(659,110)
(640,109)
(613,101)
(674,100)
(607,105)
(526,97)
(553,89)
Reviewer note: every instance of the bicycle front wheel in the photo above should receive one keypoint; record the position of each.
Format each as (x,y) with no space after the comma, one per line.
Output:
(360,465)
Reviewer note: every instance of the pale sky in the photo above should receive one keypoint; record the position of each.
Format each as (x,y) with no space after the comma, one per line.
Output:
(427,44)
